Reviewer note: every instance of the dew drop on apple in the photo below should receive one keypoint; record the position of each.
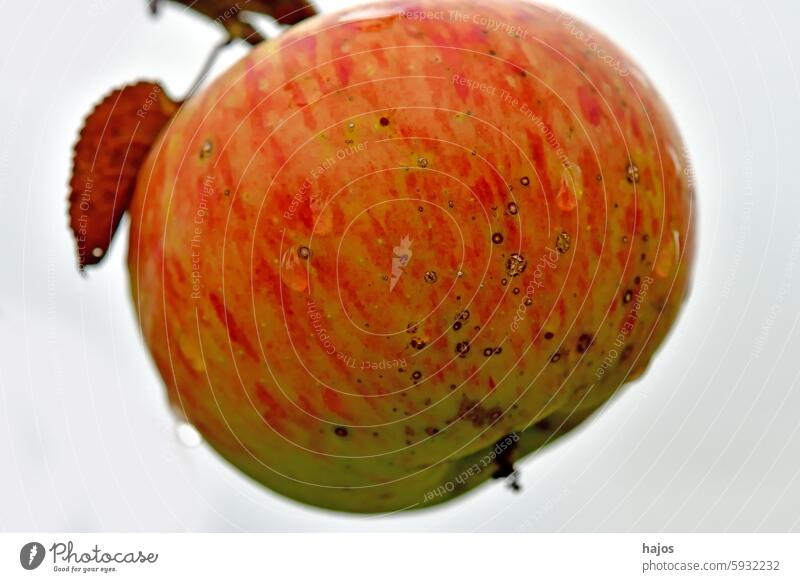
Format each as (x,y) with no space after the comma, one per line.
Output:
(632,173)
(667,254)
(205,149)
(571,190)
(293,271)
(188,435)
(515,265)
(512,208)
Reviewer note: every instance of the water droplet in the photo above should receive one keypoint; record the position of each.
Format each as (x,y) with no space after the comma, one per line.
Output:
(628,296)
(462,349)
(512,208)
(667,256)
(515,265)
(563,242)
(303,252)
(97,252)
(488,352)
(528,300)
(205,149)
(632,173)
(416,375)
(457,325)
(516,291)
(293,272)
(351,125)
(450,203)
(322,218)
(188,435)
(463,315)
(524,180)
(556,357)
(497,238)
(504,282)
(422,163)
(571,190)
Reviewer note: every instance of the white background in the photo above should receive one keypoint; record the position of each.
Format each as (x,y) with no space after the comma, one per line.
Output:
(707,440)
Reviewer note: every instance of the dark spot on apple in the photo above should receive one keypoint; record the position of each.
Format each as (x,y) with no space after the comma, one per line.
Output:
(626,353)
(563,242)
(384,121)
(472,411)
(584,342)
(637,279)
(340,431)
(431,430)
(462,349)
(548,335)
(418,343)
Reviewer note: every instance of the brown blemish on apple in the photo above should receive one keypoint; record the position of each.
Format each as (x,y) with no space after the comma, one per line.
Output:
(584,342)
(474,412)
(563,242)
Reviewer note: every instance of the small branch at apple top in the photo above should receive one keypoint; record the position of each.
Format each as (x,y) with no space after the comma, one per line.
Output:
(229,15)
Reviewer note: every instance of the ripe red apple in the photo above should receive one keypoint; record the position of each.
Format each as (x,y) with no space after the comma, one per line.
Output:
(398,248)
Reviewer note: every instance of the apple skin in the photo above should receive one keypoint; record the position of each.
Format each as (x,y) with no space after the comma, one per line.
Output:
(549,213)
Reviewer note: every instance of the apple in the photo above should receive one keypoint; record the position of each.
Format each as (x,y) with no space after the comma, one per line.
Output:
(398,248)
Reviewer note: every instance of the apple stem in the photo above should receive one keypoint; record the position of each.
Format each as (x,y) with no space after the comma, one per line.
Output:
(209,62)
